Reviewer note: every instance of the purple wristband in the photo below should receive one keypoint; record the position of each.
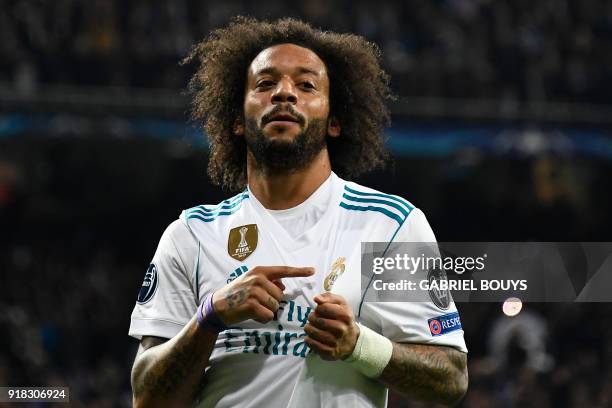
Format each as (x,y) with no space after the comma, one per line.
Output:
(207,317)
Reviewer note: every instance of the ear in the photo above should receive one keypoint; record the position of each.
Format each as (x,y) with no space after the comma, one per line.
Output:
(333,127)
(238,127)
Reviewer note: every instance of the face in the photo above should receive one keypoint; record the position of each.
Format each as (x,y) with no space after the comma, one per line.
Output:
(286,107)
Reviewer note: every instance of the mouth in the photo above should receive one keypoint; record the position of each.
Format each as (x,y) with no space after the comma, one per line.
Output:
(283,119)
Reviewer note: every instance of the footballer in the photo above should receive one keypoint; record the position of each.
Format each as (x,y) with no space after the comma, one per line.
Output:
(256,301)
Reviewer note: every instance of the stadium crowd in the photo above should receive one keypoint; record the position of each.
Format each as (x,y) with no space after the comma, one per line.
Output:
(514,50)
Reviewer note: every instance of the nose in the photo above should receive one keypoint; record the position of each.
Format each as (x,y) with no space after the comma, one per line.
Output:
(284,92)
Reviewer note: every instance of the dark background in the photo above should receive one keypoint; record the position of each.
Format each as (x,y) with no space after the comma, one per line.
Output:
(501,133)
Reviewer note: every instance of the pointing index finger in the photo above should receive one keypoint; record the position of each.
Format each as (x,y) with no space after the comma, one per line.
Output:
(279,272)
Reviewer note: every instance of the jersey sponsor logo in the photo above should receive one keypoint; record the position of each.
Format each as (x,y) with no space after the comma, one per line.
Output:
(440,298)
(337,269)
(444,324)
(237,272)
(242,241)
(275,342)
(149,285)
(283,337)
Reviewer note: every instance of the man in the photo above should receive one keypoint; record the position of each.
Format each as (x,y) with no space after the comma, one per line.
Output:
(256,301)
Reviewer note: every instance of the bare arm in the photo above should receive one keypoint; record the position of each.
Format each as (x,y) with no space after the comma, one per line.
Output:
(427,372)
(169,373)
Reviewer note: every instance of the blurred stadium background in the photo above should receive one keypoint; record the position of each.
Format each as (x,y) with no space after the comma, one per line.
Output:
(501,132)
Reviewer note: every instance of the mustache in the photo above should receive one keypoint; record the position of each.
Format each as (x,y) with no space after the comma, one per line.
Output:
(283,109)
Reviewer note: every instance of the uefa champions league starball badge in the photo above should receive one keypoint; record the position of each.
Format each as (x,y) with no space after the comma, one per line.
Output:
(337,269)
(242,241)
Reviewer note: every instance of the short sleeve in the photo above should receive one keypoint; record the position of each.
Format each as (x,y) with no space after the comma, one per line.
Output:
(415,322)
(167,301)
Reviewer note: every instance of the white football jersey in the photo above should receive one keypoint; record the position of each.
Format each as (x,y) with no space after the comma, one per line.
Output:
(256,364)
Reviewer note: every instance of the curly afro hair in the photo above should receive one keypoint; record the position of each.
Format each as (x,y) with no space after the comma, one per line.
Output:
(359,89)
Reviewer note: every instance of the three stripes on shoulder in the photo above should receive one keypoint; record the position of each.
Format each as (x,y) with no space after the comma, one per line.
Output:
(392,206)
(208,213)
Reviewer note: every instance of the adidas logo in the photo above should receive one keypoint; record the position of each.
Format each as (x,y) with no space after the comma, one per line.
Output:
(237,272)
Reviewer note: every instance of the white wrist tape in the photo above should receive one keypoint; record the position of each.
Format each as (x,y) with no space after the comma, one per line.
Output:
(372,352)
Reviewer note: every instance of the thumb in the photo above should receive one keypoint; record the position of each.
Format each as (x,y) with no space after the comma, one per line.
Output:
(321,298)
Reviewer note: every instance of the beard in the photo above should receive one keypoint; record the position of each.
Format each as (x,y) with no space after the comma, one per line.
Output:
(285,156)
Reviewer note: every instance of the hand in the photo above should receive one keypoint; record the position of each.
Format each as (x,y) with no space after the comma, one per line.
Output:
(331,329)
(254,295)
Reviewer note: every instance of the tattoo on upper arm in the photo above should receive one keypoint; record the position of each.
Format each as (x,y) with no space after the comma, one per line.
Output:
(427,372)
(166,376)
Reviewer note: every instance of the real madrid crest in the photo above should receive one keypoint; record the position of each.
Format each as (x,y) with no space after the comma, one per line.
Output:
(337,269)
(242,241)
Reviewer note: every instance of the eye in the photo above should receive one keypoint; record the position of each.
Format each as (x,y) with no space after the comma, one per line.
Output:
(307,85)
(265,83)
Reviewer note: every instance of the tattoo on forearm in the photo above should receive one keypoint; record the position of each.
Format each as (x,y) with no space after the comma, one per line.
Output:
(433,373)
(236,298)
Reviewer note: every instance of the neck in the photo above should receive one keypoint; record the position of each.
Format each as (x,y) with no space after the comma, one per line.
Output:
(280,191)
